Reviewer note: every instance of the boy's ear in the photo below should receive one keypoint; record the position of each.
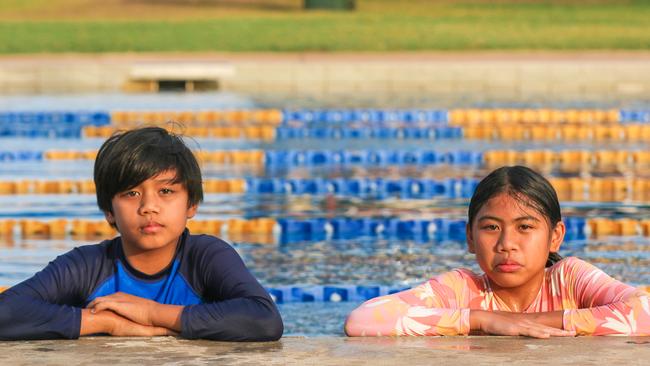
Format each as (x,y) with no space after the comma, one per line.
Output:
(470,239)
(191,211)
(109,217)
(557,236)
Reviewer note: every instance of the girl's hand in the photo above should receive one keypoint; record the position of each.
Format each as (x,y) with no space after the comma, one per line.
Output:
(134,308)
(513,324)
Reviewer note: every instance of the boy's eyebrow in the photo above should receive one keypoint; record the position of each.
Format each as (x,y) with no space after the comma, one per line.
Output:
(166,180)
(521,218)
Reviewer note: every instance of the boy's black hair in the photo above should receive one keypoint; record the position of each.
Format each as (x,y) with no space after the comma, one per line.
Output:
(128,158)
(522,183)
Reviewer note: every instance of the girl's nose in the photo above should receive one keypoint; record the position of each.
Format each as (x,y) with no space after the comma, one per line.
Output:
(507,241)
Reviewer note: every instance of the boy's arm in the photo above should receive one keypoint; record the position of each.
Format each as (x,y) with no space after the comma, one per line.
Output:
(236,308)
(45,306)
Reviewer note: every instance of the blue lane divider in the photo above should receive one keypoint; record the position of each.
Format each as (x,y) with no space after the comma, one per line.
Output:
(438,229)
(329,293)
(7,156)
(632,116)
(285,158)
(331,116)
(376,188)
(437,133)
(50,124)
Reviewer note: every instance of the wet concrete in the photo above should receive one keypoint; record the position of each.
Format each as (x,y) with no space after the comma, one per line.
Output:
(332,351)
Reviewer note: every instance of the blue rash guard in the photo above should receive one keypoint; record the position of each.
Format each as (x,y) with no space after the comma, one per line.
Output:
(222,299)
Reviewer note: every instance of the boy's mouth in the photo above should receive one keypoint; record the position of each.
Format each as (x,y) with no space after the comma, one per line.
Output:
(151,228)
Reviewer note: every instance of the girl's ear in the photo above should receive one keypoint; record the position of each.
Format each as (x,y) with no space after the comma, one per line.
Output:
(470,239)
(557,237)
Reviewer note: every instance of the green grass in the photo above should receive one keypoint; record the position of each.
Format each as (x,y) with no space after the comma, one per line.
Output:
(375,26)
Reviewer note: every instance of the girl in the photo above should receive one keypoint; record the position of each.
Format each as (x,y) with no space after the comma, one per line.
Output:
(515,229)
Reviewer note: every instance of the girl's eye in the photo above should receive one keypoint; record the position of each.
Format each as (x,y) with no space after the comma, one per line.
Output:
(525,227)
(131,194)
(166,191)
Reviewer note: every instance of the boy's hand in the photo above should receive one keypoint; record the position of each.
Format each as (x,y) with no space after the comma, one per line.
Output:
(123,327)
(116,325)
(140,310)
(134,308)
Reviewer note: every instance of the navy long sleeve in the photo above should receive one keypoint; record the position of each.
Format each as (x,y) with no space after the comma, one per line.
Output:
(222,300)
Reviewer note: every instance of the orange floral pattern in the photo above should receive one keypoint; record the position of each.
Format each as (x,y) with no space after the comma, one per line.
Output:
(593,303)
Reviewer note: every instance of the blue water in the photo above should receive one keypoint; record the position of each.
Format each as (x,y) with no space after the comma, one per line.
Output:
(327,261)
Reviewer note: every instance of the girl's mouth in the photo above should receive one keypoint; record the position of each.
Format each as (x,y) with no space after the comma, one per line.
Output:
(508,266)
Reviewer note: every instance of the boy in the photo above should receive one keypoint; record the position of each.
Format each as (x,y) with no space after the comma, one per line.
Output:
(154,279)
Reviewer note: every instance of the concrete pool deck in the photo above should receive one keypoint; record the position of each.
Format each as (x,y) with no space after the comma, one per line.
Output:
(349,79)
(332,351)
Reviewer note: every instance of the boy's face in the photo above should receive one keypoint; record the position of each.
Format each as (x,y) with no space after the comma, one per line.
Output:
(152,216)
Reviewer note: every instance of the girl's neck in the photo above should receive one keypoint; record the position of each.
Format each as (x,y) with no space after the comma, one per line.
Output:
(518,299)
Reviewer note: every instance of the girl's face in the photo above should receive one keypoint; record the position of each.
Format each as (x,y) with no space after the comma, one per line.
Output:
(512,242)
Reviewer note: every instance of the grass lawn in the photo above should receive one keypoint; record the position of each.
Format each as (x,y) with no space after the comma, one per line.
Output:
(33,26)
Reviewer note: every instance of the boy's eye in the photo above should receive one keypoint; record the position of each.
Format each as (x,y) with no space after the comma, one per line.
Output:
(525,227)
(130,194)
(490,227)
(166,191)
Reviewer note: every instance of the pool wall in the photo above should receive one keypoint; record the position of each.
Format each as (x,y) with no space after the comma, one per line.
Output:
(344,80)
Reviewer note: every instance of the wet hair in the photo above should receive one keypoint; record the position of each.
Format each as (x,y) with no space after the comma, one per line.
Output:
(128,158)
(528,186)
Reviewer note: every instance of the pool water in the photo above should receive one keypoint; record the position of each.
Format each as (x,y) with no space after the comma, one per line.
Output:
(279,261)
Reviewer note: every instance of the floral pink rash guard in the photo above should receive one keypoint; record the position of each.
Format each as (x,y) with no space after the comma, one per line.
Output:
(593,303)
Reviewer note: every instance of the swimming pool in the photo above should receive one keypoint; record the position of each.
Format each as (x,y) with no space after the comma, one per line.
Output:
(356,202)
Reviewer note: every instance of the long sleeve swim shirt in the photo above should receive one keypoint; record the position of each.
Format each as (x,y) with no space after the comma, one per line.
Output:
(222,299)
(592,302)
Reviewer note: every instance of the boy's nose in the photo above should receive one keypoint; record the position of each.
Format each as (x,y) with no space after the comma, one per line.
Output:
(148,205)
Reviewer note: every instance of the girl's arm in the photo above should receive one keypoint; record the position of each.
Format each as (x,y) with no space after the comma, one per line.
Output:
(441,307)
(605,305)
(429,309)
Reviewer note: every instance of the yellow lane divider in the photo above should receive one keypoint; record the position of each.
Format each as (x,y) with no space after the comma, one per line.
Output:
(129,119)
(569,160)
(266,133)
(231,157)
(538,132)
(60,228)
(88,186)
(466,117)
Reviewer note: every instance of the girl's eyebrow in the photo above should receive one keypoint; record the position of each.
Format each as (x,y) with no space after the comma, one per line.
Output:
(521,218)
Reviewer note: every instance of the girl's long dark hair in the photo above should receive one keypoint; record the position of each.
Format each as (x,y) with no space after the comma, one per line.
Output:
(525,184)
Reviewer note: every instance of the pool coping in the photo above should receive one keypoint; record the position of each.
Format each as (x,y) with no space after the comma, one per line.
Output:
(333,351)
